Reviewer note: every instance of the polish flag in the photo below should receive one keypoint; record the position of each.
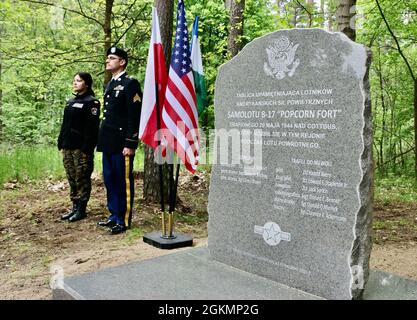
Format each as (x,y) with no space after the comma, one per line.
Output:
(155,81)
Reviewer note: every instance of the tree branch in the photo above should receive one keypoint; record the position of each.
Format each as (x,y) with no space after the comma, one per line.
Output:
(64,8)
(393,159)
(131,25)
(409,144)
(302,6)
(80,60)
(396,41)
(81,7)
(308,12)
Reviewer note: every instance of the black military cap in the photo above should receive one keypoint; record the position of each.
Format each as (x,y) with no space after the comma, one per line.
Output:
(118,52)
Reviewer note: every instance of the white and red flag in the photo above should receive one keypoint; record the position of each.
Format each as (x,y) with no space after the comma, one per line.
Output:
(155,81)
(179,113)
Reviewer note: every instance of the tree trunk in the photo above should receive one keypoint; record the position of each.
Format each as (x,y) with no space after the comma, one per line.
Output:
(310,10)
(107,35)
(1,106)
(165,10)
(295,17)
(228,5)
(1,91)
(415,126)
(234,41)
(400,141)
(384,112)
(391,141)
(330,17)
(322,13)
(151,180)
(345,17)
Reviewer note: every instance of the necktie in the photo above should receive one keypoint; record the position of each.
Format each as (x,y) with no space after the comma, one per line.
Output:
(111,82)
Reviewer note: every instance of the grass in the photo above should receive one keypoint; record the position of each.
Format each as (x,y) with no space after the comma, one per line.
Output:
(133,234)
(189,219)
(22,163)
(395,189)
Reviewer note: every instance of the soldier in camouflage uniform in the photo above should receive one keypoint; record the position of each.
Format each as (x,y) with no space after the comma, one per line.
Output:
(77,140)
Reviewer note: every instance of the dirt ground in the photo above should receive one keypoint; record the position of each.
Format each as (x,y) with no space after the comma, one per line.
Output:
(34,242)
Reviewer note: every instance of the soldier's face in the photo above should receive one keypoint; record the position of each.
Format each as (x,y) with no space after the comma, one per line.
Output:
(78,84)
(114,63)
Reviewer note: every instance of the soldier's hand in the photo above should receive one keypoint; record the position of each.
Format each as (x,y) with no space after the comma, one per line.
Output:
(128,152)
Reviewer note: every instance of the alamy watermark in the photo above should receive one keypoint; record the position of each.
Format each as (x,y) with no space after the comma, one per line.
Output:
(225,147)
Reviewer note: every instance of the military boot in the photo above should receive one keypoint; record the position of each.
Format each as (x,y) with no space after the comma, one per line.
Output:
(80,213)
(72,212)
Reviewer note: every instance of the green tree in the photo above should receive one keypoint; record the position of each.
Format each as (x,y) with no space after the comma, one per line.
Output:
(391,36)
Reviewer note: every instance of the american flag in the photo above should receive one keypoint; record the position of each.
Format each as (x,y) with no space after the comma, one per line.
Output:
(179,114)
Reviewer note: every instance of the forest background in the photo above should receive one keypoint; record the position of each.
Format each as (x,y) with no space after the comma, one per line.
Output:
(43,44)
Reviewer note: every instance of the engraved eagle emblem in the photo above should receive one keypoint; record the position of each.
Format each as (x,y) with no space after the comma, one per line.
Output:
(281,54)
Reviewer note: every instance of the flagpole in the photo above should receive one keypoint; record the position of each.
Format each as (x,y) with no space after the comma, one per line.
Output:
(161,174)
(172,197)
(171,201)
(176,185)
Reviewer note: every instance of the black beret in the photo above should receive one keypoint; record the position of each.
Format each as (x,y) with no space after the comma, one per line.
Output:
(118,52)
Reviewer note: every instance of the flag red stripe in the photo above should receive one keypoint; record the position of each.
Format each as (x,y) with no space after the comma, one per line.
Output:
(182,128)
(182,100)
(190,87)
(175,113)
(188,161)
(177,139)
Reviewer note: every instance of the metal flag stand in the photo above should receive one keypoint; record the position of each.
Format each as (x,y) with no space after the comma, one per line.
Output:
(169,240)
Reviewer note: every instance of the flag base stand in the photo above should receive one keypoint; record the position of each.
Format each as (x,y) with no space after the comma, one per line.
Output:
(160,241)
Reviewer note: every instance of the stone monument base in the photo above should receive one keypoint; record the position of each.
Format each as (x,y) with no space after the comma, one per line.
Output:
(193,275)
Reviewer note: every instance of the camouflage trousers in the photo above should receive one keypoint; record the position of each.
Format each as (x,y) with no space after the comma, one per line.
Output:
(78,167)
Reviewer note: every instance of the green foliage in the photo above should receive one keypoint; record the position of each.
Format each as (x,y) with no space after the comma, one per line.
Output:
(43,46)
(213,22)
(391,83)
(395,189)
